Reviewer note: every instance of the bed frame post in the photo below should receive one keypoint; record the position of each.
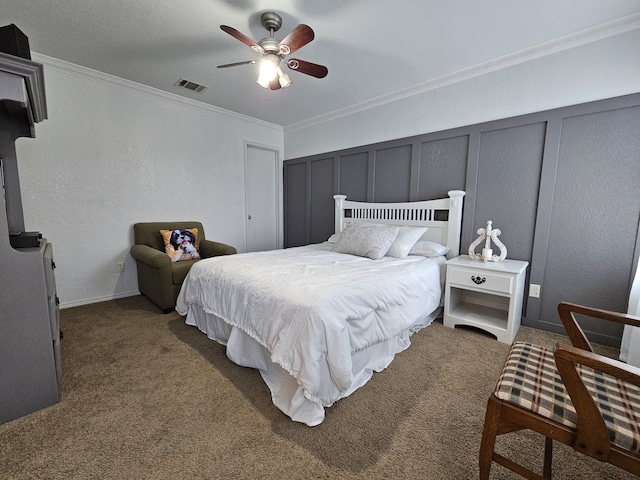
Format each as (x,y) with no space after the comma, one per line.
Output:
(455,220)
(339,214)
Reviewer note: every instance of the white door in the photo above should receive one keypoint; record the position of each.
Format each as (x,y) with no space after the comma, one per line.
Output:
(262,196)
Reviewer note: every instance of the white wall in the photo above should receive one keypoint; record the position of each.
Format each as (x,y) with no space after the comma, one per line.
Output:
(606,68)
(113,153)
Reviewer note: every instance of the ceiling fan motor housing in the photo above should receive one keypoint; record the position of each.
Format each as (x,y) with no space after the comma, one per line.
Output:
(270,44)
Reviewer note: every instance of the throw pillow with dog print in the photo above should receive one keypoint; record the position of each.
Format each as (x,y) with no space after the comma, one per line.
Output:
(181,244)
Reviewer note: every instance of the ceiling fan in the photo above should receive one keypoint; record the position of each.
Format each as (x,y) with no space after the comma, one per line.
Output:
(273,52)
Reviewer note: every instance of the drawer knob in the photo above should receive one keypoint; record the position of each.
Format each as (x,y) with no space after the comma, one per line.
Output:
(478,280)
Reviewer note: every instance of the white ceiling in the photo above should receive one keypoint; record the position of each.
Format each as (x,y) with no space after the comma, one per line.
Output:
(374,49)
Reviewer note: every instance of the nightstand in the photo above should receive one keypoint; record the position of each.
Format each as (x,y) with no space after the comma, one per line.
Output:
(485,295)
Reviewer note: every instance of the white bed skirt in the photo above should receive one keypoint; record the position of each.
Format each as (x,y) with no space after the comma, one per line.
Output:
(286,394)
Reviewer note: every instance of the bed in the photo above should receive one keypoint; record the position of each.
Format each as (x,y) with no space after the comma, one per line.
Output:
(318,320)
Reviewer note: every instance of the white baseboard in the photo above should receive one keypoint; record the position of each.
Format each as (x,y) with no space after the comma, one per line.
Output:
(89,301)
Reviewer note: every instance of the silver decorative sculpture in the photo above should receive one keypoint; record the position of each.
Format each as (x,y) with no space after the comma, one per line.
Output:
(488,234)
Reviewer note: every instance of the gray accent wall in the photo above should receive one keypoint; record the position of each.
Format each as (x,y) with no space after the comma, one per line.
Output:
(562,185)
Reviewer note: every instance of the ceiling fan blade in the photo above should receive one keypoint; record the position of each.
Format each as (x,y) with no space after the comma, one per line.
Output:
(243,38)
(237,63)
(313,69)
(298,38)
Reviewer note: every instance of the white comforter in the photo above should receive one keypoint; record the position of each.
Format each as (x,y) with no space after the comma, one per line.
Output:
(312,308)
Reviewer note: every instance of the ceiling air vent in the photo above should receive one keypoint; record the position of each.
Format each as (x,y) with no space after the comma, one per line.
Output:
(189,85)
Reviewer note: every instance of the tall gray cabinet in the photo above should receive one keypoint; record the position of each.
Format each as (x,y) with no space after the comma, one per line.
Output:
(30,364)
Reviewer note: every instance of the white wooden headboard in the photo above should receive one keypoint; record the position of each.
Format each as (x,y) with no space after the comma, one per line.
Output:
(415,214)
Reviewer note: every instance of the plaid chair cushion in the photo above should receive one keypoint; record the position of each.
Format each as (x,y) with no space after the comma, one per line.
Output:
(530,380)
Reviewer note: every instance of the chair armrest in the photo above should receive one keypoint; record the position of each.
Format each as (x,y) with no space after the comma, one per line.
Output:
(592,437)
(150,256)
(567,313)
(209,248)
(611,366)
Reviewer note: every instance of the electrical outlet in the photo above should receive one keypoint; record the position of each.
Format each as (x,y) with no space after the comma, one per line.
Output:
(534,290)
(119,267)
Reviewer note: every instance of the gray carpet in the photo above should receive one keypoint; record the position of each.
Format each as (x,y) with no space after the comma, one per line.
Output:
(146,397)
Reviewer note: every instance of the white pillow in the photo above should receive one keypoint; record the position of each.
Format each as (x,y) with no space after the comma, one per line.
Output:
(366,240)
(334,238)
(426,248)
(407,237)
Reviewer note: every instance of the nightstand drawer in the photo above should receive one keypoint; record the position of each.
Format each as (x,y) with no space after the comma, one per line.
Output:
(481,279)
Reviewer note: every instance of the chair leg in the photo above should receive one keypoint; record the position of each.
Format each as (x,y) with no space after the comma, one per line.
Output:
(548,457)
(489,433)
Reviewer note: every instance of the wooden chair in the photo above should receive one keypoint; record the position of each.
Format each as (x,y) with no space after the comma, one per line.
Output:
(554,393)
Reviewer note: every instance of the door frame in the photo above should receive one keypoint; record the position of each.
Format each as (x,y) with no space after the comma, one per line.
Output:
(278,166)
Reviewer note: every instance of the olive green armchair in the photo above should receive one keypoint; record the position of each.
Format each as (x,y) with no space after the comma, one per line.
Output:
(159,279)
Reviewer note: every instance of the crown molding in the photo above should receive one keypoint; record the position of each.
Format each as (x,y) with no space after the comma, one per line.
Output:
(567,42)
(111,80)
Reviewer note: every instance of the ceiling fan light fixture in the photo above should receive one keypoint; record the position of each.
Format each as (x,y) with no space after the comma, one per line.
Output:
(263,81)
(269,66)
(284,80)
